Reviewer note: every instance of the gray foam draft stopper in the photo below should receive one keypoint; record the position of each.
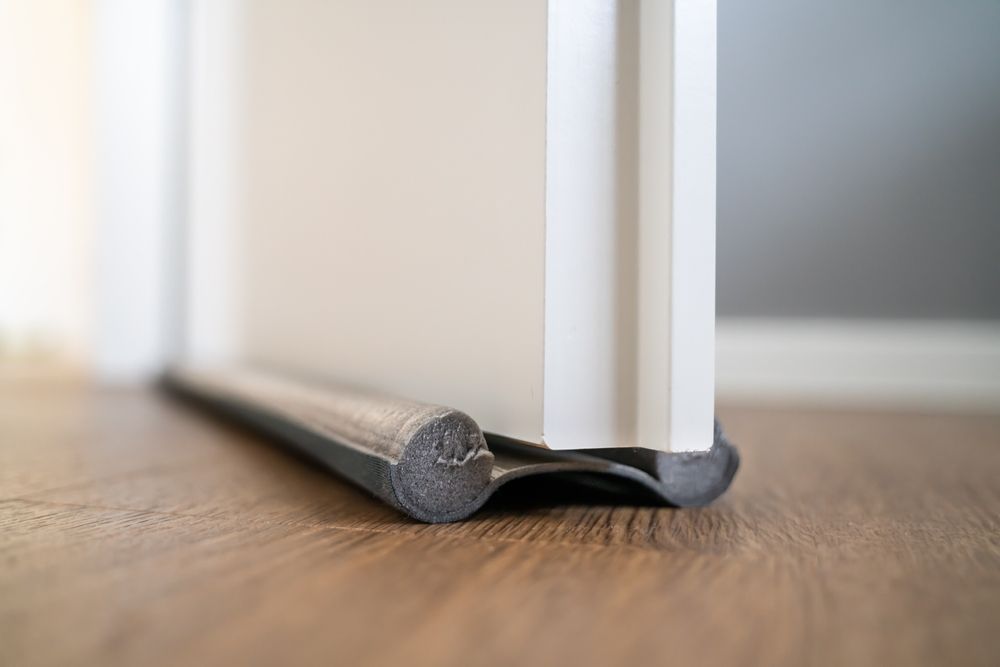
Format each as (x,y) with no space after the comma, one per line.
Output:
(434,463)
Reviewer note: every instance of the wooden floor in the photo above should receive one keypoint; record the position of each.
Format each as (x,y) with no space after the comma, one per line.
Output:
(135,531)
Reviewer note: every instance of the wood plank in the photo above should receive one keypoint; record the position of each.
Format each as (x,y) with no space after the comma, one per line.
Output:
(135,531)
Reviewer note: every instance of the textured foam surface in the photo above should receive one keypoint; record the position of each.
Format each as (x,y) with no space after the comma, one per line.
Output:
(433,462)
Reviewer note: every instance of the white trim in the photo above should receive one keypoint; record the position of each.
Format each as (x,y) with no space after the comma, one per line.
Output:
(692,263)
(677,108)
(906,364)
(630,270)
(587,217)
(140,197)
(656,164)
(211,283)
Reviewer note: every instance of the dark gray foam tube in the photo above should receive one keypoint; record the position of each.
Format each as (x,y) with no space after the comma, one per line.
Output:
(433,462)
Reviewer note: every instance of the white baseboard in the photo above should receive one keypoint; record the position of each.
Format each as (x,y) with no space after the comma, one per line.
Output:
(951,365)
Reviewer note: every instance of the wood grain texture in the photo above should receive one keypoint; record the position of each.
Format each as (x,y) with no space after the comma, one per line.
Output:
(134,530)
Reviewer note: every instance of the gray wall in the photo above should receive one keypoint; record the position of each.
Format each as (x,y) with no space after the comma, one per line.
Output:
(859,158)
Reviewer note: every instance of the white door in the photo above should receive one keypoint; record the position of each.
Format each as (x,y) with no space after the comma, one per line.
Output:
(504,207)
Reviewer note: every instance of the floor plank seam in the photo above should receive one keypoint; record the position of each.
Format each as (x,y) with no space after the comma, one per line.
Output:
(432,530)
